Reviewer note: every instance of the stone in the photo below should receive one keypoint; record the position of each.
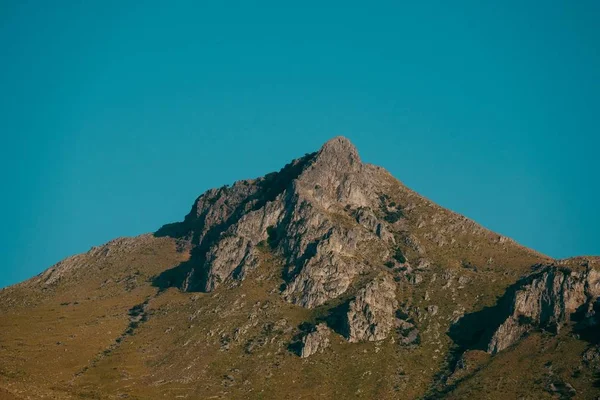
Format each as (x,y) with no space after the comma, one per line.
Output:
(315,341)
(370,316)
(303,213)
(546,300)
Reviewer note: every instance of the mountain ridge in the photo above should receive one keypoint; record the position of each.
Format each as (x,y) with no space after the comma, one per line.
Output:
(329,259)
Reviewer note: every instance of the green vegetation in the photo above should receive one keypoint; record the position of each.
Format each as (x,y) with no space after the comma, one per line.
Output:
(399,256)
(393,216)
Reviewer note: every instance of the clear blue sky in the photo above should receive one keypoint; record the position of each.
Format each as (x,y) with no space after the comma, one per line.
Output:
(115,116)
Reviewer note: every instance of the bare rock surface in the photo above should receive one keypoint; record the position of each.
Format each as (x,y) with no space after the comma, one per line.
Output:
(315,341)
(548,301)
(303,213)
(371,314)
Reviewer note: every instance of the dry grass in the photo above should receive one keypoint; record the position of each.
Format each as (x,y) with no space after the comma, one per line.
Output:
(76,340)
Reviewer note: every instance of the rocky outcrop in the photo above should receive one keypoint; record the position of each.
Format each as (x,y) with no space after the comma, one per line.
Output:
(315,341)
(322,258)
(407,332)
(317,213)
(320,238)
(371,315)
(236,250)
(329,217)
(547,301)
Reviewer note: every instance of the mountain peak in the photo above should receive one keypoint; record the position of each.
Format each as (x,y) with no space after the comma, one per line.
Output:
(339,148)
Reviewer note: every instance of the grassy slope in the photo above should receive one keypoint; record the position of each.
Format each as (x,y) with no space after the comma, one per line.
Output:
(49,334)
(527,370)
(74,339)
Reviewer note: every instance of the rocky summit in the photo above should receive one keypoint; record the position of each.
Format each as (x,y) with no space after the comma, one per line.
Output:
(327,279)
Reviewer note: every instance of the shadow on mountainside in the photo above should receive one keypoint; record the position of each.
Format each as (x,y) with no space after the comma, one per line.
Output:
(474,331)
(587,323)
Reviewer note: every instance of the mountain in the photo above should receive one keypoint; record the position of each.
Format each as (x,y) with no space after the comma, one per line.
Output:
(327,279)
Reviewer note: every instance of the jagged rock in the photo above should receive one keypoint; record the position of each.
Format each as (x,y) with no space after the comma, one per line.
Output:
(337,176)
(321,243)
(320,256)
(327,215)
(315,341)
(410,337)
(547,301)
(370,315)
(302,212)
(591,355)
(409,334)
(236,252)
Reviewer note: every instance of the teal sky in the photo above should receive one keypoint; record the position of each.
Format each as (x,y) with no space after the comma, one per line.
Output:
(115,116)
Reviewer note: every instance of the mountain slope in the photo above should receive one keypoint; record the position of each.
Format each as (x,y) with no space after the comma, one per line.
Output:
(326,279)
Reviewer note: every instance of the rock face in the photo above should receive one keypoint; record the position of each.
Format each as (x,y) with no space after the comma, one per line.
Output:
(318,213)
(329,218)
(548,302)
(370,315)
(315,341)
